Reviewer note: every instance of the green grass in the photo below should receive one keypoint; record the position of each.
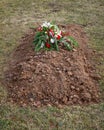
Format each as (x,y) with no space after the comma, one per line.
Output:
(16,16)
(51,118)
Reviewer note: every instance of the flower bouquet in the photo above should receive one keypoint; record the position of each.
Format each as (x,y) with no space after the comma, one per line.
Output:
(50,37)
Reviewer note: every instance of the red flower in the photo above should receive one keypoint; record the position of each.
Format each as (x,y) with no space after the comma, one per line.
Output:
(51,32)
(58,37)
(40,29)
(62,33)
(47,45)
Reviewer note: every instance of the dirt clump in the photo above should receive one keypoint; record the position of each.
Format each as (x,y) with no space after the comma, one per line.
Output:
(51,77)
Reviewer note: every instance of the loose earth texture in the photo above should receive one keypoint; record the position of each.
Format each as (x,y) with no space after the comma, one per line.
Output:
(51,77)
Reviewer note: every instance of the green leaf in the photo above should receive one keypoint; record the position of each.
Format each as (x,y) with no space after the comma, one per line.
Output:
(36,40)
(56,45)
(56,27)
(73,41)
(39,36)
(38,46)
(67,45)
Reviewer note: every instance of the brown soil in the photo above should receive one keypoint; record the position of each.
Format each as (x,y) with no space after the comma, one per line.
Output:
(52,78)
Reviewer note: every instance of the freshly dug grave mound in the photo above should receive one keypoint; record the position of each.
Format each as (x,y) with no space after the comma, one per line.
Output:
(51,77)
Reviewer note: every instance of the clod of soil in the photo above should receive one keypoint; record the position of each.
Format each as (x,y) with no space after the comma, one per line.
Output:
(51,77)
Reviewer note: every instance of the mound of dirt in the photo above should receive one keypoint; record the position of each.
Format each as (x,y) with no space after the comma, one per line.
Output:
(51,77)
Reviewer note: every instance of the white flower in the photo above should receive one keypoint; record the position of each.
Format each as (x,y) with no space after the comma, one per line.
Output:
(46,24)
(52,40)
(42,45)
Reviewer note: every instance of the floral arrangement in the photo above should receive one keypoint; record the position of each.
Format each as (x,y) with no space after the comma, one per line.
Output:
(49,37)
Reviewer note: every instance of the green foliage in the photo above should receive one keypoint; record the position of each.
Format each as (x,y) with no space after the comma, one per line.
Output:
(56,45)
(73,41)
(49,37)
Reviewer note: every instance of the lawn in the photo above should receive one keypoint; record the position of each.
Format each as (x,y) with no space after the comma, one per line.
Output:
(16,17)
